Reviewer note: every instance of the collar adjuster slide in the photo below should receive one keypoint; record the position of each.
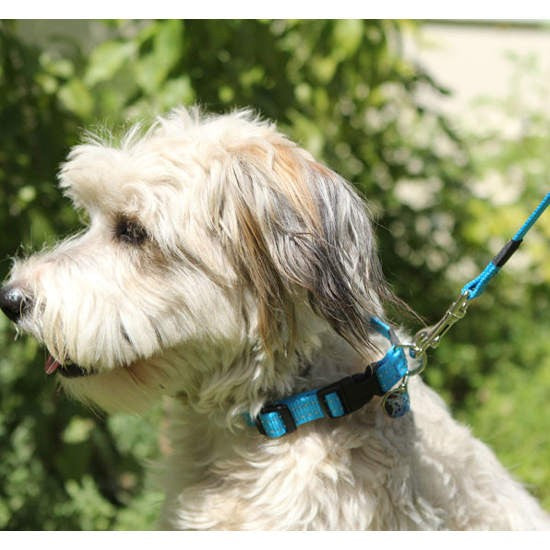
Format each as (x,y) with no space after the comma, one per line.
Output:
(278,411)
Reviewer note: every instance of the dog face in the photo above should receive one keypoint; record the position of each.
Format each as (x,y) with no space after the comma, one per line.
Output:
(215,249)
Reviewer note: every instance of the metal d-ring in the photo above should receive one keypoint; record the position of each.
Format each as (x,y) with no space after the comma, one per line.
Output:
(416,353)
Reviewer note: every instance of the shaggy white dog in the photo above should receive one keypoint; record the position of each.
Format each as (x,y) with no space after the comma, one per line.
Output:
(224,267)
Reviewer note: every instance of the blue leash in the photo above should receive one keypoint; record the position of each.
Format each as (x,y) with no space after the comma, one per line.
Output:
(381,378)
(476,286)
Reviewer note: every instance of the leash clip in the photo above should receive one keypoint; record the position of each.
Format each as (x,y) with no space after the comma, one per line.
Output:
(430,337)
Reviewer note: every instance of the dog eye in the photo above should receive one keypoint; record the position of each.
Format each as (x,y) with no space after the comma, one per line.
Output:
(130,231)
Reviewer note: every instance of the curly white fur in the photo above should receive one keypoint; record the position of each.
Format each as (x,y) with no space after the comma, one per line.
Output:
(224,267)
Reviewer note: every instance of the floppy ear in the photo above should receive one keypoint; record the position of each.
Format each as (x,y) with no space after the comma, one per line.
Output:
(293,224)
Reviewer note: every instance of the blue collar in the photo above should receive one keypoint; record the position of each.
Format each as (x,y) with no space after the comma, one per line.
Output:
(340,398)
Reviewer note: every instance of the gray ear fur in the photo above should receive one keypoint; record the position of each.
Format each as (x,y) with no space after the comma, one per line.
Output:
(294,225)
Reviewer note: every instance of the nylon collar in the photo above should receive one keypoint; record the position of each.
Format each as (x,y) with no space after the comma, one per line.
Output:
(344,396)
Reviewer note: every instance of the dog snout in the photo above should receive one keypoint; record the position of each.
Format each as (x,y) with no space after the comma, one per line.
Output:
(14,302)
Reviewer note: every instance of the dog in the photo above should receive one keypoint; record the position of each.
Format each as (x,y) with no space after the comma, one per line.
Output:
(226,268)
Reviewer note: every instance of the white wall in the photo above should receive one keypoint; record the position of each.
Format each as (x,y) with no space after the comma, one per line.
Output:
(475,60)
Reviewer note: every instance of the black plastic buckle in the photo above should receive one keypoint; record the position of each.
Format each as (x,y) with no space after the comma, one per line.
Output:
(284,413)
(354,391)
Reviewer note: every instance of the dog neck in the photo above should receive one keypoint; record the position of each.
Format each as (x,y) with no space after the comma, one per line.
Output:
(205,443)
(254,377)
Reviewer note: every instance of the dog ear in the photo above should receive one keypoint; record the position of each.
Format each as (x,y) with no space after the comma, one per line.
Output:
(294,225)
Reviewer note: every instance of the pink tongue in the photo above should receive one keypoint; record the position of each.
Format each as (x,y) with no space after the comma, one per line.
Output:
(51,365)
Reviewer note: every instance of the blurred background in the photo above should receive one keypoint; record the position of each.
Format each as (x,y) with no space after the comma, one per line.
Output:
(442,126)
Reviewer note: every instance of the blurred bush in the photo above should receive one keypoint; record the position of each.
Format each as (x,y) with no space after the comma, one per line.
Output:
(346,92)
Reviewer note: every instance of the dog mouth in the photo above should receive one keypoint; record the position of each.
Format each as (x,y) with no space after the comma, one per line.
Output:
(69,370)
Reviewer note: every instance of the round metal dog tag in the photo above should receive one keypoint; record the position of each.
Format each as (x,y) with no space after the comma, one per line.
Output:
(397,403)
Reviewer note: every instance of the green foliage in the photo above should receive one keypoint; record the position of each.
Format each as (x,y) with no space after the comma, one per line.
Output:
(344,90)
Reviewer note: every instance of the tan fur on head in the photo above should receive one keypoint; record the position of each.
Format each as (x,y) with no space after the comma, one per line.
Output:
(225,267)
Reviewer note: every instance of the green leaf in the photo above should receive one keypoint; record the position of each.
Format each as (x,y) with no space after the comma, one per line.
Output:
(78,430)
(107,59)
(177,91)
(168,44)
(76,97)
(154,67)
(347,36)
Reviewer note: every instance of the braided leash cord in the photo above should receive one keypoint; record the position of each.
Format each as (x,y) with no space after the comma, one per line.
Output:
(476,286)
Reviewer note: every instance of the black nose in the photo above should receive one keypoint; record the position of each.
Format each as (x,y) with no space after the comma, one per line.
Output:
(13,302)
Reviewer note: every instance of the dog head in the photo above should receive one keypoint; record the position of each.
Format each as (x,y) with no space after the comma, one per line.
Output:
(215,250)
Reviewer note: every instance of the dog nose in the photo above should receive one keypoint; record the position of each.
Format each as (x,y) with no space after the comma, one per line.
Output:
(13,302)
